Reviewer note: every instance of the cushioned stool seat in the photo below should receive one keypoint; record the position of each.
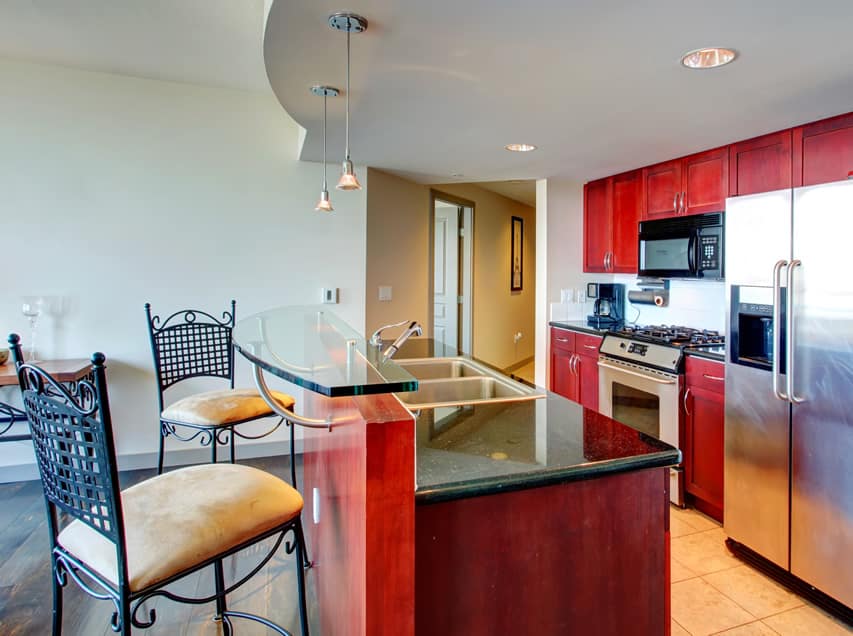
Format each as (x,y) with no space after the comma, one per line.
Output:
(182,518)
(219,408)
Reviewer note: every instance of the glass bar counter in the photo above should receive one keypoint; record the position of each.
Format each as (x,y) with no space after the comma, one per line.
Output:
(314,349)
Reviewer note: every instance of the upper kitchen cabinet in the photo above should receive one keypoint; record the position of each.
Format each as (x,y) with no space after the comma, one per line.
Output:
(691,185)
(762,164)
(662,191)
(611,217)
(597,225)
(823,151)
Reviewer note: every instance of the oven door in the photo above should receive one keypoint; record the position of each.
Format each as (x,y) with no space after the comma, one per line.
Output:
(646,400)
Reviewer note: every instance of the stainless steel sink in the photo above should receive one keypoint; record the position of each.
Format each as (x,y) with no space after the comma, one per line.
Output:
(442,368)
(459,381)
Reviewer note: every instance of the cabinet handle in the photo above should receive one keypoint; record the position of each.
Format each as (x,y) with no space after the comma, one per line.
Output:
(713,377)
(611,261)
(573,363)
(586,346)
(686,393)
(561,339)
(675,202)
(681,205)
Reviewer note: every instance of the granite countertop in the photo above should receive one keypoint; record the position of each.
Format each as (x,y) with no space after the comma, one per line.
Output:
(578,325)
(499,447)
(711,353)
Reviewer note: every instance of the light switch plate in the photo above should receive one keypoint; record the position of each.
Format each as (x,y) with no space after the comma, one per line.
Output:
(384,292)
(329,295)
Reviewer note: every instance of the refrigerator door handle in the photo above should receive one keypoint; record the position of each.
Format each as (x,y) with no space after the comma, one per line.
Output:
(789,333)
(777,333)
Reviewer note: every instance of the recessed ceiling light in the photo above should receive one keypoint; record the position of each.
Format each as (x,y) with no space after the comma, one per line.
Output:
(711,57)
(520,147)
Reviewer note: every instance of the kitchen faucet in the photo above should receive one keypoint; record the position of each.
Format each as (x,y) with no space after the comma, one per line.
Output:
(376,339)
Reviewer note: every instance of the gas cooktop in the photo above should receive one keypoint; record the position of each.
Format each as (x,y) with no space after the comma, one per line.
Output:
(672,335)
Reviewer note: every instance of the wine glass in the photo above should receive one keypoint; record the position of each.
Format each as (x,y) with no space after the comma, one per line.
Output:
(32,307)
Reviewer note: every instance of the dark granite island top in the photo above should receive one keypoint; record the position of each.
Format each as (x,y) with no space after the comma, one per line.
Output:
(471,451)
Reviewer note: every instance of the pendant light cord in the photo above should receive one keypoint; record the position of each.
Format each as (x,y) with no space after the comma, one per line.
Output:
(347,141)
(325,185)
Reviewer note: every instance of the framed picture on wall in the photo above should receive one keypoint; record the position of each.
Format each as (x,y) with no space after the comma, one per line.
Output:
(516,255)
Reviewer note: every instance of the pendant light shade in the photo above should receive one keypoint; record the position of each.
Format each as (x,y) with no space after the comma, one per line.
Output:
(324,205)
(349,23)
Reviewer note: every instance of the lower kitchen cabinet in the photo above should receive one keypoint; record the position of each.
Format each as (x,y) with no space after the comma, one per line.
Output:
(704,415)
(574,366)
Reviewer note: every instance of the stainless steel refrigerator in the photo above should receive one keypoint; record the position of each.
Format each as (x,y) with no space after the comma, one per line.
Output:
(789,381)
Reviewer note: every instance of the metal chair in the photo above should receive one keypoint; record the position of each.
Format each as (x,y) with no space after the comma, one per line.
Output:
(192,343)
(126,546)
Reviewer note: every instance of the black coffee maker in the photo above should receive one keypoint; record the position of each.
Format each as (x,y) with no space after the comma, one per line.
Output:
(608,311)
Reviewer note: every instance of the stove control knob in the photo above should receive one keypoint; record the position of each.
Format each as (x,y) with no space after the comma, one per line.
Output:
(622,344)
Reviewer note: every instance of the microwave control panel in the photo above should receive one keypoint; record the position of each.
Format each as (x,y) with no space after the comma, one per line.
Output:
(709,252)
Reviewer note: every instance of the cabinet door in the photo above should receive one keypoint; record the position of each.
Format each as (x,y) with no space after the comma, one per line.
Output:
(563,380)
(703,447)
(627,198)
(762,164)
(823,151)
(587,367)
(597,215)
(706,181)
(661,189)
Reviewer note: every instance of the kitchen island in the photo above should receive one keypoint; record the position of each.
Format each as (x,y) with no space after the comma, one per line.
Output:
(529,517)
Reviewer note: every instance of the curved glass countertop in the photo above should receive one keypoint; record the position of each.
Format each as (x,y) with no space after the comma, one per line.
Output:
(314,349)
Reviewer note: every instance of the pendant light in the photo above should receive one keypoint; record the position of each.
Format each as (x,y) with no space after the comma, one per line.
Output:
(324,205)
(350,23)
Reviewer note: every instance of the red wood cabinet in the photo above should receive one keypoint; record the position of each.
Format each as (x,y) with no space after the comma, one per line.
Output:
(627,200)
(762,164)
(690,185)
(574,366)
(611,214)
(662,191)
(704,415)
(597,221)
(823,151)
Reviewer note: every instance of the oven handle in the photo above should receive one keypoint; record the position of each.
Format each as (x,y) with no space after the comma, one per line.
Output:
(686,396)
(613,367)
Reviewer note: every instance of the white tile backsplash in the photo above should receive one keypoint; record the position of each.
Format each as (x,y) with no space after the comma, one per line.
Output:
(692,303)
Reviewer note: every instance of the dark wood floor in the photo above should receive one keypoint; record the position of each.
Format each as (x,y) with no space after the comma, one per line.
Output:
(25,591)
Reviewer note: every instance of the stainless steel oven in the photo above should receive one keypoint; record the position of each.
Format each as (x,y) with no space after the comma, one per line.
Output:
(640,382)
(646,399)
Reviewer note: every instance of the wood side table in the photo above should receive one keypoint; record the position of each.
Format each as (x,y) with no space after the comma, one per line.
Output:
(65,371)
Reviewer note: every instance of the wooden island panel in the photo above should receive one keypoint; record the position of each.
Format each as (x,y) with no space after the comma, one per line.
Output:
(586,557)
(362,475)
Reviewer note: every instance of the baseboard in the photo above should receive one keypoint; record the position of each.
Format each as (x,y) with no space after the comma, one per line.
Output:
(518,365)
(174,457)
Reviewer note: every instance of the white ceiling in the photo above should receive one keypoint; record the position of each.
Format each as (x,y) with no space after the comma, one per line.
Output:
(440,86)
(211,42)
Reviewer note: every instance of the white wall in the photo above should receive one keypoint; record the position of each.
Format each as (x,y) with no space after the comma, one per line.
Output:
(118,190)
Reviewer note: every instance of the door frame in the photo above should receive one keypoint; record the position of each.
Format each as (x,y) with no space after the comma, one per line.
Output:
(466,267)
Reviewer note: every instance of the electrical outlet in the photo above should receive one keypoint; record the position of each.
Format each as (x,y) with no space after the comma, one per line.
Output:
(329,295)
(518,336)
(384,293)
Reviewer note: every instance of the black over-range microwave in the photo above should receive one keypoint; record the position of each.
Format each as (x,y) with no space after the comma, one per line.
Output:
(682,247)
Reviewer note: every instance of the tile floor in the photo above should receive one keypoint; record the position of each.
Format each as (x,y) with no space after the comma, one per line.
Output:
(715,593)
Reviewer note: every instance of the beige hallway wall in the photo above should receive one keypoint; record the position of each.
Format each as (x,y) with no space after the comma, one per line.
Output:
(398,240)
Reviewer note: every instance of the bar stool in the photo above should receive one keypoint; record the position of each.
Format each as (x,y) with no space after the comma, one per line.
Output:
(127,546)
(191,343)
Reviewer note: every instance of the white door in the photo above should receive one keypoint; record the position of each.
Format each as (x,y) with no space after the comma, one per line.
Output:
(446,275)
